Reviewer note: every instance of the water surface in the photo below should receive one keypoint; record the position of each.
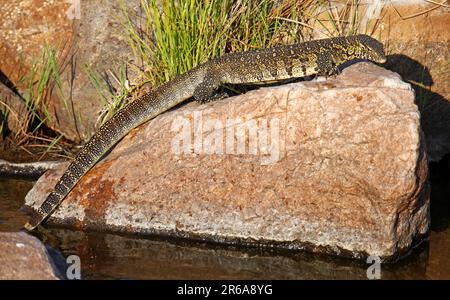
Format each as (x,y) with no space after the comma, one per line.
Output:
(110,256)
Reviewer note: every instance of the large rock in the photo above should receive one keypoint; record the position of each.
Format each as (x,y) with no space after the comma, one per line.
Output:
(344,171)
(23,256)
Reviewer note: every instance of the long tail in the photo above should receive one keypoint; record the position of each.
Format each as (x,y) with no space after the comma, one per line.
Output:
(134,114)
(137,112)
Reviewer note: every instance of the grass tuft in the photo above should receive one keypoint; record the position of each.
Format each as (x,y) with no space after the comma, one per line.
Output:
(38,83)
(173,36)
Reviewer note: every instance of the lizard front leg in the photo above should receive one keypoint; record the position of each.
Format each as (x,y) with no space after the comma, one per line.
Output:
(326,65)
(207,90)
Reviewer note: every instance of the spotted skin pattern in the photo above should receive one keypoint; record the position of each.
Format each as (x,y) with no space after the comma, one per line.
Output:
(321,57)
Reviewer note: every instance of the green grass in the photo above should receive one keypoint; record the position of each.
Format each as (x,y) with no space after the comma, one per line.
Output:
(112,98)
(177,35)
(180,35)
(37,82)
(42,78)
(174,36)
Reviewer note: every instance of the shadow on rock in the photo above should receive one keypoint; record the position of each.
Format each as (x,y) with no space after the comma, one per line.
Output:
(434,108)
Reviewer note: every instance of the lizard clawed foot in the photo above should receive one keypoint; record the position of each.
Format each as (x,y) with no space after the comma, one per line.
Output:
(218,96)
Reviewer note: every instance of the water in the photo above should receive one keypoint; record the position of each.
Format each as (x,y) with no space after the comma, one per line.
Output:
(129,257)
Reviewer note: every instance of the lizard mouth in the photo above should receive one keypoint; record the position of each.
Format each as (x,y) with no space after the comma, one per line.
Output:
(382,60)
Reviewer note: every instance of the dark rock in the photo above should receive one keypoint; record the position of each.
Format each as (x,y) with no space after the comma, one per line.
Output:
(31,169)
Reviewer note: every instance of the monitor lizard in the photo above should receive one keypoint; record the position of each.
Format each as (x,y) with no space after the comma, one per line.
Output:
(321,57)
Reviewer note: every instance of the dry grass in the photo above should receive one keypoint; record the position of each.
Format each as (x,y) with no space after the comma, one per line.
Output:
(32,135)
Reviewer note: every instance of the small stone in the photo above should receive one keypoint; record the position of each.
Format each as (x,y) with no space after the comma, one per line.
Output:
(24,257)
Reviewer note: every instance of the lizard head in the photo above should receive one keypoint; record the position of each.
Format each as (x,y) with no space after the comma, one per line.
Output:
(359,46)
(365,47)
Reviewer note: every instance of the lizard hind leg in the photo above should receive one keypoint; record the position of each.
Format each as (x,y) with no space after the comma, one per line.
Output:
(207,91)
